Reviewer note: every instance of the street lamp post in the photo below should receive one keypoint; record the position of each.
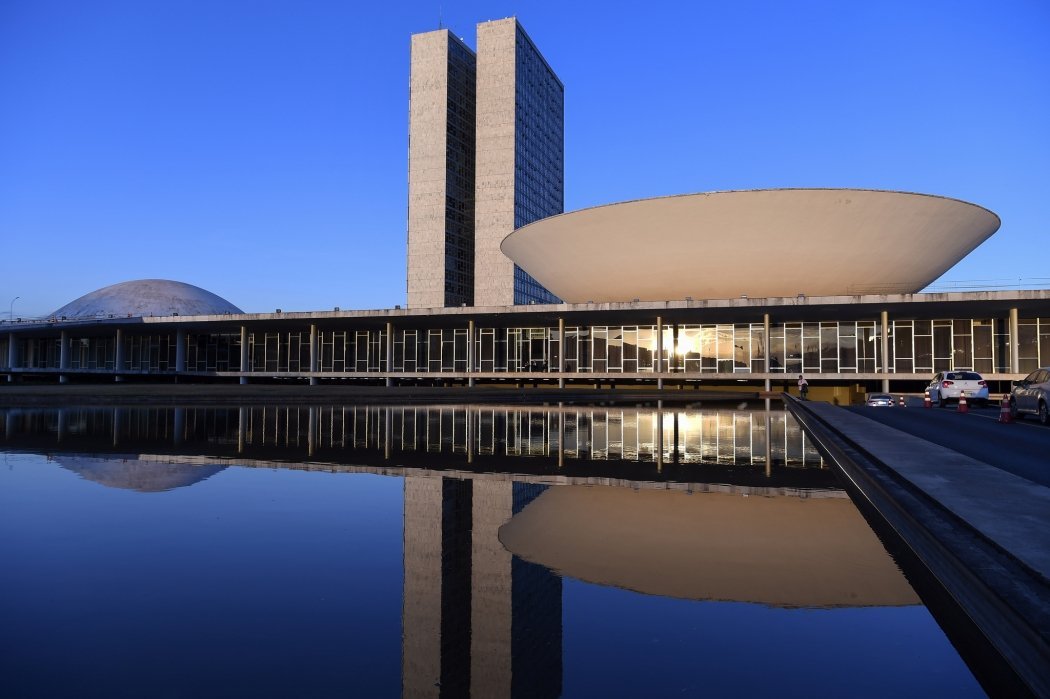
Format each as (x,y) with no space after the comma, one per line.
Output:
(11,309)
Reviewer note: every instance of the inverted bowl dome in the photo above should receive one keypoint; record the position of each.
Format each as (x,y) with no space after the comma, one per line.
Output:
(759,243)
(147,297)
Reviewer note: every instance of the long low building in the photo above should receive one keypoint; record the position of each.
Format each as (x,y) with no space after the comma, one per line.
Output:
(850,344)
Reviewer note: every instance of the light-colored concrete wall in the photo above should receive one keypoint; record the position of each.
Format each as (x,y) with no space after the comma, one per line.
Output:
(421,605)
(494,183)
(491,591)
(427,167)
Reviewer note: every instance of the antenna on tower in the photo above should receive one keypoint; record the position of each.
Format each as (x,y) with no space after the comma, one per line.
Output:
(441,24)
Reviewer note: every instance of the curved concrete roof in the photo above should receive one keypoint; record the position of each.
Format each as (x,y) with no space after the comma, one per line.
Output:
(759,243)
(146,297)
(776,551)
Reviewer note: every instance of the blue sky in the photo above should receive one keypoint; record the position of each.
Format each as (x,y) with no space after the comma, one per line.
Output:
(259,149)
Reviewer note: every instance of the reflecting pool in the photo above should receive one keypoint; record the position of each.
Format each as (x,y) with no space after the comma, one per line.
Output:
(444,551)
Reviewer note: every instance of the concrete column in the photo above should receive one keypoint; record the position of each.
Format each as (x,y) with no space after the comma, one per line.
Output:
(63,357)
(561,435)
(242,428)
(659,365)
(470,352)
(118,356)
(659,436)
(561,353)
(765,347)
(674,444)
(311,434)
(389,353)
(313,353)
(180,351)
(674,347)
(180,426)
(117,419)
(769,442)
(388,429)
(12,355)
(471,419)
(244,352)
(1015,344)
(885,319)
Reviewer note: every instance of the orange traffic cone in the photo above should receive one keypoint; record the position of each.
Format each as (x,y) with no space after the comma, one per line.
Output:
(926,402)
(963,407)
(1005,416)
(901,403)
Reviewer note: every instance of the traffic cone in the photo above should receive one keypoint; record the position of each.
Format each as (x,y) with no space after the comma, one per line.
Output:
(1005,416)
(926,402)
(901,403)
(963,407)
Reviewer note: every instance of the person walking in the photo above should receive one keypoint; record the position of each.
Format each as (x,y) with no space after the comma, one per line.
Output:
(803,386)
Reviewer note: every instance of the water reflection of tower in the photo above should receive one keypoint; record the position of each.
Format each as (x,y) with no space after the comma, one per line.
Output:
(476,620)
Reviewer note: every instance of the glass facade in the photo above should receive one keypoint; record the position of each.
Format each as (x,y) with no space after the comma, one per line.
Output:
(538,152)
(726,349)
(459,175)
(916,346)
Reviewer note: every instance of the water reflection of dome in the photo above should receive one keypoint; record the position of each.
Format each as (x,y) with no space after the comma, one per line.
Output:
(146,297)
(133,474)
(777,551)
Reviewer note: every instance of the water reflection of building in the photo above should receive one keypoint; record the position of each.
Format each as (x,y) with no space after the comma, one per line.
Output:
(137,474)
(682,447)
(476,620)
(777,551)
(720,505)
(762,448)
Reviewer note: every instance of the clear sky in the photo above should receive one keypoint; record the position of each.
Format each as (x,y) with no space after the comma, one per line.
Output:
(258,148)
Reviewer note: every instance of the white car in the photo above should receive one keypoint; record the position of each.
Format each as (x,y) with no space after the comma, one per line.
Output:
(950,385)
(880,400)
(1031,396)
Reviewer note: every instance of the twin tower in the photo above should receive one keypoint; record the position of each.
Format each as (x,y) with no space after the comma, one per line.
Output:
(485,156)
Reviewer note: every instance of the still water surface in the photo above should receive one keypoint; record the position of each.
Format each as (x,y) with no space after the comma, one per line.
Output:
(429,552)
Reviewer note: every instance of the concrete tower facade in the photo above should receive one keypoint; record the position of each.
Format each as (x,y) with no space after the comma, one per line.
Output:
(486,153)
(441,172)
(520,157)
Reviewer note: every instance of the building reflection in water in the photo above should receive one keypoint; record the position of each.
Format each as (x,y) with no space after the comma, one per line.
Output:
(491,435)
(477,621)
(500,502)
(135,474)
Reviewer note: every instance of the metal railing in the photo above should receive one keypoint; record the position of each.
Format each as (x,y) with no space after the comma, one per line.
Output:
(1003,284)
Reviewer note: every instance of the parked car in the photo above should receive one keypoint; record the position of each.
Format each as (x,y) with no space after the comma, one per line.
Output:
(879,400)
(1031,396)
(950,385)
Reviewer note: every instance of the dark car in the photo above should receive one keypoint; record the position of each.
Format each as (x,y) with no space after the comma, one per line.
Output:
(1031,396)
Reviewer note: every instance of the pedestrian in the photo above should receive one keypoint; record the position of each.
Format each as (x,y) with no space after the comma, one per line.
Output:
(803,386)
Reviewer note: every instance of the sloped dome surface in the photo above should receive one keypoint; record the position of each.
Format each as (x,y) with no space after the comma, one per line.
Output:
(132,474)
(146,297)
(758,243)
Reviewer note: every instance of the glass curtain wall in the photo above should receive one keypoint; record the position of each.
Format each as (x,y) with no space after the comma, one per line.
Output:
(847,347)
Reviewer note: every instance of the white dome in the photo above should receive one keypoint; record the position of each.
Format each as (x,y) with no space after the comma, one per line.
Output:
(146,297)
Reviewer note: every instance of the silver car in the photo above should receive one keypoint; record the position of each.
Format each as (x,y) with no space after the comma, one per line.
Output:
(950,385)
(1031,396)
(880,400)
